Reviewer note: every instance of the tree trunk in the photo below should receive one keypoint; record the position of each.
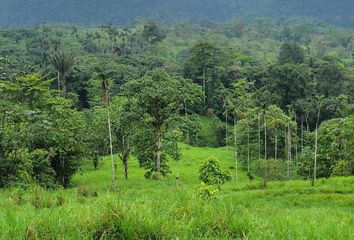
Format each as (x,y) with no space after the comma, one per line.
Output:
(248,147)
(204,88)
(276,147)
(265,135)
(316,145)
(289,150)
(307,123)
(111,147)
(302,135)
(63,85)
(259,137)
(158,152)
(59,83)
(125,163)
(177,175)
(226,126)
(236,152)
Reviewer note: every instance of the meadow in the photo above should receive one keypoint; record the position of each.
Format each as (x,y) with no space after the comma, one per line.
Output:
(156,209)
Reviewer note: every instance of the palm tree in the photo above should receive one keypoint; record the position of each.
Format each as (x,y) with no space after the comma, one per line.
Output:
(104,77)
(62,61)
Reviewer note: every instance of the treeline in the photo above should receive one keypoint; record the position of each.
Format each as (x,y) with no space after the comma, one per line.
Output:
(283,97)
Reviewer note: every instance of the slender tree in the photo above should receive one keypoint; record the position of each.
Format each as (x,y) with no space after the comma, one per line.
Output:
(316,141)
(104,77)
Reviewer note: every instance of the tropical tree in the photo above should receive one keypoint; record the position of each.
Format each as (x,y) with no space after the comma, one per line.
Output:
(159,97)
(103,75)
(62,61)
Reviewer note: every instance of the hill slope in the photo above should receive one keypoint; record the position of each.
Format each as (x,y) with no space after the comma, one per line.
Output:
(20,13)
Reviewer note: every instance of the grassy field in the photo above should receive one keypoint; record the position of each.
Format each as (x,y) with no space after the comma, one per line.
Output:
(155,209)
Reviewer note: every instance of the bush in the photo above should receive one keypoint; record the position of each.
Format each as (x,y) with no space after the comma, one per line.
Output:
(342,168)
(211,173)
(270,169)
(15,168)
(205,191)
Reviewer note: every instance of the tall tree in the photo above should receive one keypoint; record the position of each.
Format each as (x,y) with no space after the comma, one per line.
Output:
(62,61)
(202,66)
(103,75)
(291,53)
(159,96)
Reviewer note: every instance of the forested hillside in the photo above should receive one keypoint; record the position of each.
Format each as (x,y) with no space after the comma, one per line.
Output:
(188,130)
(20,13)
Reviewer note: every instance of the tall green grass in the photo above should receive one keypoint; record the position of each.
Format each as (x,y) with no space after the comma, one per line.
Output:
(156,209)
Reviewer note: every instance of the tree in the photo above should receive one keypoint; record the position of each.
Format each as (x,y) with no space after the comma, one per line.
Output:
(204,62)
(291,53)
(330,78)
(269,170)
(290,82)
(211,173)
(159,97)
(103,75)
(62,61)
(241,100)
(125,129)
(42,136)
(318,108)
(152,33)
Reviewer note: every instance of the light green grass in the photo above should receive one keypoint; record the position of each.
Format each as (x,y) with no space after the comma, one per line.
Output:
(155,209)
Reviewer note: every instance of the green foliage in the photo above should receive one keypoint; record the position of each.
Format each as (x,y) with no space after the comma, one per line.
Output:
(211,173)
(42,137)
(342,168)
(290,82)
(306,160)
(158,97)
(269,169)
(291,53)
(206,192)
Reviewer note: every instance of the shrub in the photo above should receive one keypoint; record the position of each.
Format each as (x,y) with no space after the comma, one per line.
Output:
(205,191)
(211,173)
(270,169)
(342,168)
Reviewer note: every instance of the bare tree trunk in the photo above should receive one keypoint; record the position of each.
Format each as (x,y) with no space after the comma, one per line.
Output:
(186,114)
(158,152)
(302,135)
(59,83)
(125,163)
(248,147)
(316,145)
(226,127)
(177,175)
(289,150)
(111,147)
(236,152)
(259,137)
(204,88)
(265,135)
(276,147)
(307,123)
(63,86)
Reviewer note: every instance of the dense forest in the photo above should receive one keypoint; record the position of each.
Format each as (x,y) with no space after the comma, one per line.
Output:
(274,100)
(19,13)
